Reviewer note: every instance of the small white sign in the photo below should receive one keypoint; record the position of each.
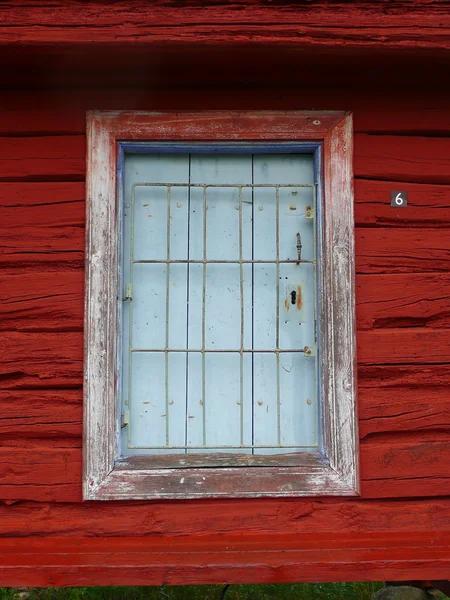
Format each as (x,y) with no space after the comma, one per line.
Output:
(399,199)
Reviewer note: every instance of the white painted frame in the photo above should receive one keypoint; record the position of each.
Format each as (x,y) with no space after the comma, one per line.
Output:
(334,470)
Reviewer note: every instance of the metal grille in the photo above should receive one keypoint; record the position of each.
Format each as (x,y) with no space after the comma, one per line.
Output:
(308,351)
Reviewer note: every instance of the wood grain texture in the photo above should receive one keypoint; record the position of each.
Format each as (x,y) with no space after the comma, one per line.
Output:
(390,110)
(42,158)
(396,158)
(35,300)
(389,250)
(428,205)
(43,360)
(41,415)
(403,409)
(231,558)
(221,517)
(403,317)
(319,25)
(403,300)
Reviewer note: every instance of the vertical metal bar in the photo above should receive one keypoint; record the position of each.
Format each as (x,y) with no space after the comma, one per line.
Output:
(241,288)
(130,323)
(253,304)
(277,257)
(166,353)
(315,224)
(204,318)
(188,281)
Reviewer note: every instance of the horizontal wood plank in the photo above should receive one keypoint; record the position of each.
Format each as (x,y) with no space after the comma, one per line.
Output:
(42,158)
(403,300)
(166,22)
(42,360)
(403,409)
(403,345)
(198,517)
(386,157)
(59,112)
(402,158)
(213,559)
(50,300)
(428,205)
(403,376)
(42,223)
(57,414)
(393,466)
(389,250)
(40,414)
(43,474)
(54,359)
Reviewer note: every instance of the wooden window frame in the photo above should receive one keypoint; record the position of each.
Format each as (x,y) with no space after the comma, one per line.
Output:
(331,471)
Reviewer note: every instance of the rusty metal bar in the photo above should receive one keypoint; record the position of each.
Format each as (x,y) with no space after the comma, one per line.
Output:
(277,343)
(223,262)
(243,447)
(241,354)
(227,185)
(204,318)
(166,352)
(306,350)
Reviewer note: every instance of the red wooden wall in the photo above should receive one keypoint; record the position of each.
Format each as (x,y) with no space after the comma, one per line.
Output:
(399,528)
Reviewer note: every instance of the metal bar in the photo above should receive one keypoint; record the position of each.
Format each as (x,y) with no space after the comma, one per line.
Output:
(204,319)
(223,262)
(130,322)
(306,350)
(188,283)
(166,383)
(246,446)
(241,354)
(277,344)
(226,185)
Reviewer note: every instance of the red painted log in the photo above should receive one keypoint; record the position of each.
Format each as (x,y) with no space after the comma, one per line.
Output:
(403,409)
(403,300)
(319,25)
(391,110)
(391,466)
(428,205)
(33,300)
(41,360)
(301,516)
(404,345)
(234,559)
(54,359)
(389,250)
(49,158)
(397,158)
(41,415)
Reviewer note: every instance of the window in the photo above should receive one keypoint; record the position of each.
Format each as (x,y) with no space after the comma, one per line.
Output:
(219,333)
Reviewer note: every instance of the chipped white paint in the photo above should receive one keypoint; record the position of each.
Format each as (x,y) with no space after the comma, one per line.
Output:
(334,471)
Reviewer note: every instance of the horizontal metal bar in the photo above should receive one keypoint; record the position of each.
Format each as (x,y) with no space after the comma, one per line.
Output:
(225,185)
(306,350)
(224,262)
(218,447)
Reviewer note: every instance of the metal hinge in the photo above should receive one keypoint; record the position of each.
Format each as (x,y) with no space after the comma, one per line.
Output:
(125,418)
(127,293)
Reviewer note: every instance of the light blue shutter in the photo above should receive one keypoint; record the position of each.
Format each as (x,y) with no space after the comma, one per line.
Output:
(221,306)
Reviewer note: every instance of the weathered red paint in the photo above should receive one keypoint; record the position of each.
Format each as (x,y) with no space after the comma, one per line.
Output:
(399,527)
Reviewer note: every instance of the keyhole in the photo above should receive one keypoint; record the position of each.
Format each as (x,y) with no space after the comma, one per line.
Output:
(293,297)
